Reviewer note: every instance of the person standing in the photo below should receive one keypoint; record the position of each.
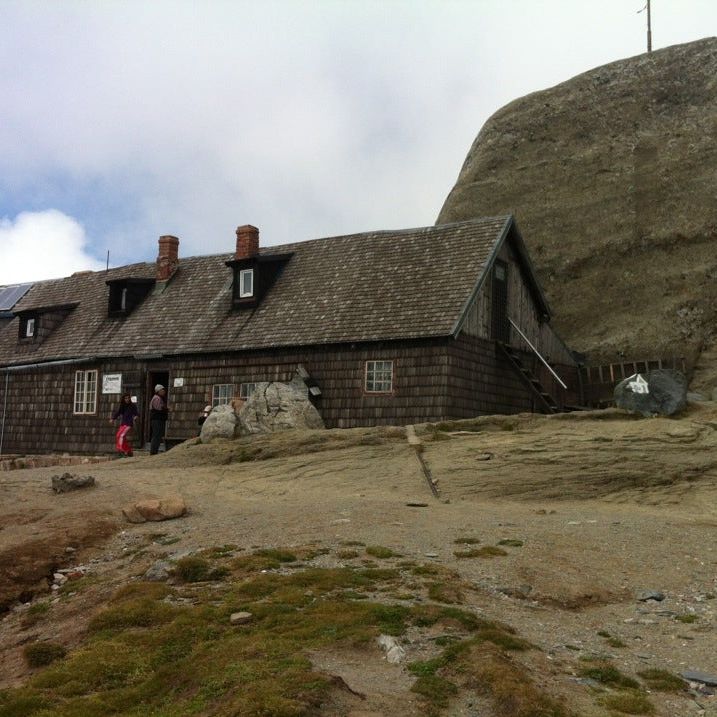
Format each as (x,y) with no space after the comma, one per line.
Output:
(158,413)
(127,414)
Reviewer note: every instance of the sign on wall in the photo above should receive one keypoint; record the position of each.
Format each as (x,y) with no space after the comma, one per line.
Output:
(178,382)
(112,383)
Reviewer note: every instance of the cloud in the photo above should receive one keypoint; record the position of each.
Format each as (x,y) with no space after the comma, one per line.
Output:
(42,245)
(305,119)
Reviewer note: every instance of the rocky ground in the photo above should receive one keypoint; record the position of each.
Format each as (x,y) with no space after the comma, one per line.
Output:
(602,526)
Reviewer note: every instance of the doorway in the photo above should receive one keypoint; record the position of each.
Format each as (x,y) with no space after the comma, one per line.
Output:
(153,378)
(500,328)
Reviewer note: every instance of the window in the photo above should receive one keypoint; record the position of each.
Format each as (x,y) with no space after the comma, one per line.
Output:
(123,300)
(222,393)
(30,328)
(246,283)
(379,376)
(85,392)
(246,389)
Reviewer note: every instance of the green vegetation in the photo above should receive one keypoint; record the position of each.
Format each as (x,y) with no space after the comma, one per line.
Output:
(39,654)
(194,569)
(36,612)
(607,674)
(487,551)
(150,652)
(662,680)
(378,551)
(688,619)
(629,703)
(346,554)
(511,543)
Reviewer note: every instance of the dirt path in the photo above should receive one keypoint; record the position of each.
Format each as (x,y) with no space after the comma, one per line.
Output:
(603,507)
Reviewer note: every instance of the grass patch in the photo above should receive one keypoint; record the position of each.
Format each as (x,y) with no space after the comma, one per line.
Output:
(629,703)
(662,680)
(35,613)
(466,541)
(193,569)
(487,551)
(147,653)
(39,654)
(379,551)
(445,592)
(688,619)
(346,554)
(352,543)
(511,542)
(607,674)
(426,569)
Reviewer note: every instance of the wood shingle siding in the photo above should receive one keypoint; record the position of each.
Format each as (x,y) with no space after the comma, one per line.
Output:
(419,298)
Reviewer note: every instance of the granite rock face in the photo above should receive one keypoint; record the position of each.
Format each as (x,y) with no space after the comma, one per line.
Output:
(278,407)
(220,423)
(272,407)
(612,177)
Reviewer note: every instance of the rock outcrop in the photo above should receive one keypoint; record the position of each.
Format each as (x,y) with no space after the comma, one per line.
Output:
(662,392)
(278,407)
(612,177)
(272,407)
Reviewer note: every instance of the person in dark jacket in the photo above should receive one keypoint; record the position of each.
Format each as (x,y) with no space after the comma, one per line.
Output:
(158,413)
(127,414)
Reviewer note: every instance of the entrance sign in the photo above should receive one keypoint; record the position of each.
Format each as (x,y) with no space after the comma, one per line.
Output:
(112,383)
(178,382)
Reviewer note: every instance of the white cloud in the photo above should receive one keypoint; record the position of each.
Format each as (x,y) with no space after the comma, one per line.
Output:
(42,245)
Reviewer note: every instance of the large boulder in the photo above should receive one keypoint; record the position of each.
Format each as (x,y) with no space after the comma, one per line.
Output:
(661,392)
(611,176)
(278,407)
(220,423)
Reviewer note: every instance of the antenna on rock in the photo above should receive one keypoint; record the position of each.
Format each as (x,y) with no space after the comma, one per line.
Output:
(649,25)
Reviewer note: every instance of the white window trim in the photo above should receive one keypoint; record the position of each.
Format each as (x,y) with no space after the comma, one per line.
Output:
(85,396)
(250,273)
(373,368)
(218,395)
(30,328)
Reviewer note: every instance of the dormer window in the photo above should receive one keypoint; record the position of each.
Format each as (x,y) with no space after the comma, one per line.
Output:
(29,324)
(126,294)
(246,283)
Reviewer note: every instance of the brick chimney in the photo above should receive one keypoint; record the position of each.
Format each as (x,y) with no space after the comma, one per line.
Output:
(247,242)
(168,257)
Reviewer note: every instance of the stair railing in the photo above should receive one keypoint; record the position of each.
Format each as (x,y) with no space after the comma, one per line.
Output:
(537,353)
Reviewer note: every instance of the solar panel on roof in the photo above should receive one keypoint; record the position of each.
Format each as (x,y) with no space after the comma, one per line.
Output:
(10,295)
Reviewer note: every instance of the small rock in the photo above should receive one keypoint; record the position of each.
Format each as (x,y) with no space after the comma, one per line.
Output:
(159,572)
(431,555)
(703,677)
(645,595)
(394,652)
(154,510)
(417,505)
(59,578)
(67,482)
(240,618)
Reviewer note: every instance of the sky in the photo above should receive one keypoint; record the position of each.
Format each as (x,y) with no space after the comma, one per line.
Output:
(121,121)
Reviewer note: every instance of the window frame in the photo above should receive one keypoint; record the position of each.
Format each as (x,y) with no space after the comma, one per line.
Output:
(242,293)
(244,392)
(85,393)
(30,327)
(375,380)
(218,398)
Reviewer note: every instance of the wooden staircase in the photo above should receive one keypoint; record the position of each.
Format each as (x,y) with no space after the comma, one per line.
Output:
(543,399)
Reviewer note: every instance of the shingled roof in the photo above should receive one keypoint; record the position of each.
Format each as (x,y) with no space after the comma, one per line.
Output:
(373,286)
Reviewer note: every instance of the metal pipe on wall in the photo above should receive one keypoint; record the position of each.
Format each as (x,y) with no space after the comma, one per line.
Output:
(4,410)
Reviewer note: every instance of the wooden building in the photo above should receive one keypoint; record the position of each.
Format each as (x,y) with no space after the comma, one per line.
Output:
(393,327)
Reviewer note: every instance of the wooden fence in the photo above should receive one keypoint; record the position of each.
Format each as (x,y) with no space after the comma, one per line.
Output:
(598,382)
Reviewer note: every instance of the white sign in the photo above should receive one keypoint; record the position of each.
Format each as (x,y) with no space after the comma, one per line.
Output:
(112,383)
(639,385)
(178,382)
